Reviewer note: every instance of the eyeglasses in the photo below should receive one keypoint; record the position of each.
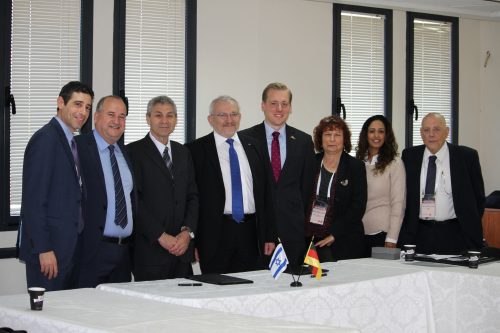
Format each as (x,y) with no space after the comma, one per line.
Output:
(228,115)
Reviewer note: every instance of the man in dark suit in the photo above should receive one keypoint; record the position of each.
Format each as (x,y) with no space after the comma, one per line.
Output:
(235,226)
(167,198)
(445,193)
(108,197)
(289,162)
(51,198)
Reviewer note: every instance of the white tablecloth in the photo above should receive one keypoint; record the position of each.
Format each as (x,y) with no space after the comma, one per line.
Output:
(371,295)
(90,310)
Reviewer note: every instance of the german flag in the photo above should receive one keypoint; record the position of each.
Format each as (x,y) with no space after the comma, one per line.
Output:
(312,260)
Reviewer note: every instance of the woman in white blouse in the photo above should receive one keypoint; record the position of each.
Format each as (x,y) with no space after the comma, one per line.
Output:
(386,180)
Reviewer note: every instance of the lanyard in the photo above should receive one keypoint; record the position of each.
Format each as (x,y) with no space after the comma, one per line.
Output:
(329,183)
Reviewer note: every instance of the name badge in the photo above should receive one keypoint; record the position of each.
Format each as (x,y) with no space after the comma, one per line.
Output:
(318,213)
(428,209)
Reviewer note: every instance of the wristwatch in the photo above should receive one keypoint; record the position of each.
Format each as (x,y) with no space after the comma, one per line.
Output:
(191,234)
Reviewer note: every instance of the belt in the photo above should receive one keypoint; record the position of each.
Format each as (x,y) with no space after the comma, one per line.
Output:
(116,240)
(246,217)
(434,222)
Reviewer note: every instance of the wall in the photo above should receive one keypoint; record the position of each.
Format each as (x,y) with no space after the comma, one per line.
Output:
(243,45)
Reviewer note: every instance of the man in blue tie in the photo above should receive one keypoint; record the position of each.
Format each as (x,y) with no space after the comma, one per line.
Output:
(235,231)
(108,197)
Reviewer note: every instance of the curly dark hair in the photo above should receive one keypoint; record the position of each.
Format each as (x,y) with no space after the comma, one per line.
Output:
(387,152)
(330,123)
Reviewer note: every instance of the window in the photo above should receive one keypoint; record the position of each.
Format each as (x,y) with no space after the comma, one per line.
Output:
(432,72)
(44,46)
(156,43)
(362,64)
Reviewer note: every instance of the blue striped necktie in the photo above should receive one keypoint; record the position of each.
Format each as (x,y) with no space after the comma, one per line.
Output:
(236,188)
(120,205)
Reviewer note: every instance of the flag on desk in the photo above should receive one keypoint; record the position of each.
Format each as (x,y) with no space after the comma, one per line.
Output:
(279,261)
(312,260)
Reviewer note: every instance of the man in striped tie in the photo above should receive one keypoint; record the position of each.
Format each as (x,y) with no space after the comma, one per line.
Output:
(108,197)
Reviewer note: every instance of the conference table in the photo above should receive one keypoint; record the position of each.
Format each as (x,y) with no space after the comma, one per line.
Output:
(369,295)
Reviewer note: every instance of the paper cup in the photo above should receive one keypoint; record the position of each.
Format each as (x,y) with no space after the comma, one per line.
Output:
(409,252)
(36,298)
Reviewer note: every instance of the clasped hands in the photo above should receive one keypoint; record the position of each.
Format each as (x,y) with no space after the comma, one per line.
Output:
(177,245)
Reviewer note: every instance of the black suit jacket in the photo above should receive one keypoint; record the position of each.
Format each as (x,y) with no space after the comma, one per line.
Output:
(291,194)
(467,191)
(213,197)
(95,198)
(165,204)
(51,197)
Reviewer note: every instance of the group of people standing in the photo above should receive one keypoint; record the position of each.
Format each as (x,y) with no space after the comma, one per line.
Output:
(94,210)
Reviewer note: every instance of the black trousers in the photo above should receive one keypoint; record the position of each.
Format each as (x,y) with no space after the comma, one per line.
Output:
(440,237)
(377,240)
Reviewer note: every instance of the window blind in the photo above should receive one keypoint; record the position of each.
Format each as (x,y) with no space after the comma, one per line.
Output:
(45,56)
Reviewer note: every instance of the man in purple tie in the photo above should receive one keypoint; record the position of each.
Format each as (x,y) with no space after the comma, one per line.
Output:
(235,226)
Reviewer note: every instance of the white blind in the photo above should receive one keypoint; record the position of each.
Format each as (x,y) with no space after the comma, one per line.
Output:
(154,61)
(362,68)
(45,56)
(432,71)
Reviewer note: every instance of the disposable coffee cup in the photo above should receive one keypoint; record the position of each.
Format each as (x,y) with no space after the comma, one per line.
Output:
(473,258)
(36,298)
(409,252)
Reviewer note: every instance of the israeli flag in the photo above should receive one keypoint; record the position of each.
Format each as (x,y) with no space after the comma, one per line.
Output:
(279,261)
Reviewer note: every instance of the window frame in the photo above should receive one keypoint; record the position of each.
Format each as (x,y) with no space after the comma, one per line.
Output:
(409,118)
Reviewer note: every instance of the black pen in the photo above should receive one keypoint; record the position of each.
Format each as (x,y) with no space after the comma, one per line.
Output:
(189,284)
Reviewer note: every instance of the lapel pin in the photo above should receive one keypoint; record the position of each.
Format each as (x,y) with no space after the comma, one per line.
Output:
(344,182)
(292,137)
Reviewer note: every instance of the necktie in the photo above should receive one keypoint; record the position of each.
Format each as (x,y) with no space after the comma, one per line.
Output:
(430,182)
(120,205)
(74,151)
(168,161)
(275,156)
(236,188)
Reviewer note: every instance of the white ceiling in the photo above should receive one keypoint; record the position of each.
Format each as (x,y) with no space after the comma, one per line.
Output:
(479,9)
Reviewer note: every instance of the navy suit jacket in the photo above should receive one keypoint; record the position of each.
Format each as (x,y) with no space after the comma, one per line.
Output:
(95,202)
(165,204)
(213,196)
(51,197)
(467,190)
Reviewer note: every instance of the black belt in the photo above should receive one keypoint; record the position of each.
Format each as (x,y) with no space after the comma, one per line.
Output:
(434,222)
(116,240)
(246,217)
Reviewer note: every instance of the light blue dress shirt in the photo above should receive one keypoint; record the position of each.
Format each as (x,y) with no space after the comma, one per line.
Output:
(110,228)
(281,139)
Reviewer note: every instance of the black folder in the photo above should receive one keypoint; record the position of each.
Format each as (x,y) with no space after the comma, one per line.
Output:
(219,279)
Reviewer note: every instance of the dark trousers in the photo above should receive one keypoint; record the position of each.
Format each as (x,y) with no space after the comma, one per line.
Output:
(440,238)
(111,264)
(238,250)
(169,270)
(377,240)
(348,246)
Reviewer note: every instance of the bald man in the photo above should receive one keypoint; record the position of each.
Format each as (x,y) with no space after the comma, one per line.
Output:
(445,193)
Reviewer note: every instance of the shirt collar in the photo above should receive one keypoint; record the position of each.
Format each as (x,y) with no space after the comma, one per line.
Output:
(270,130)
(441,154)
(69,135)
(160,145)
(102,144)
(219,139)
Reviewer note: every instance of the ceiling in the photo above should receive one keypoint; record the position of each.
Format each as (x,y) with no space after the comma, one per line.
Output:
(477,9)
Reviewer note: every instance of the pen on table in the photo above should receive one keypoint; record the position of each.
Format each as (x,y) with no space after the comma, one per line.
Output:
(189,284)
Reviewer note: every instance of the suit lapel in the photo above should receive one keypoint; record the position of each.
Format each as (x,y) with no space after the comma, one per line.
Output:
(64,142)
(212,155)
(454,172)
(94,152)
(291,146)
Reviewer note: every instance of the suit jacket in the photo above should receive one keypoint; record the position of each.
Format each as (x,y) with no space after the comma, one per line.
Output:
(95,198)
(467,191)
(51,197)
(213,196)
(165,204)
(291,194)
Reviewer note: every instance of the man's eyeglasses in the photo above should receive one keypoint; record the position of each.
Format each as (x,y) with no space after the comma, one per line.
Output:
(228,115)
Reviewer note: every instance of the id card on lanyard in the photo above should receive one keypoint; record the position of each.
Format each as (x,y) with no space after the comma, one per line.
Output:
(320,207)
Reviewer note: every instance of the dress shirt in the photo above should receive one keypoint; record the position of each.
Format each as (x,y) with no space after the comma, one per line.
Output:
(444,198)
(246,174)
(281,139)
(69,135)
(161,147)
(110,228)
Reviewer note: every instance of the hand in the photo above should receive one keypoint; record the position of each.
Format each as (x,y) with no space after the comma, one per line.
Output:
(182,243)
(167,241)
(269,248)
(327,241)
(48,264)
(390,245)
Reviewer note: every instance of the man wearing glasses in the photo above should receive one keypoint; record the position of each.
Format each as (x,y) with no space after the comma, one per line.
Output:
(235,226)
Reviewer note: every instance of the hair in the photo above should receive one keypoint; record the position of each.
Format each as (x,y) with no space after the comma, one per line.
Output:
(162,99)
(330,123)
(223,98)
(276,86)
(100,104)
(387,152)
(436,115)
(74,86)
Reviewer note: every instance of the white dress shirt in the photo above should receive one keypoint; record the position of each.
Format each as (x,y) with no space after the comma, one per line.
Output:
(161,147)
